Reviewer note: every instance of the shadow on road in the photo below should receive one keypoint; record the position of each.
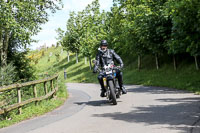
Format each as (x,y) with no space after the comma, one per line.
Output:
(179,113)
(154,90)
(96,103)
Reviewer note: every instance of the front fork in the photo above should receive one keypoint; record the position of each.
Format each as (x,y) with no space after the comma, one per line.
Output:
(105,83)
(116,85)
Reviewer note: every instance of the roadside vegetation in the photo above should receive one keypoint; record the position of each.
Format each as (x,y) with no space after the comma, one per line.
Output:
(20,20)
(186,77)
(43,68)
(157,39)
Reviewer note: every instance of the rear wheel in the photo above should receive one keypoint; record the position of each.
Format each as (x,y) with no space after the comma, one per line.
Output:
(112,92)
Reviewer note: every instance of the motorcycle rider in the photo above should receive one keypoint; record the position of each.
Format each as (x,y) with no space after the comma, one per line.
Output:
(104,57)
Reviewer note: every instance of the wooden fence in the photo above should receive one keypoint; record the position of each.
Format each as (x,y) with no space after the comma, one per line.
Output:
(53,89)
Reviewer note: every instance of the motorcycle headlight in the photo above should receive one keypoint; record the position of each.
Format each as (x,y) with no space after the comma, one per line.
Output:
(107,69)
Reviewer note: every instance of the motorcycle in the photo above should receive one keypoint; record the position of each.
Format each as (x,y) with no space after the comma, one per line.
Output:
(110,82)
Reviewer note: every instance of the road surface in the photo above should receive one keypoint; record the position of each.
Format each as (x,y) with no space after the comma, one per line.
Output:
(142,110)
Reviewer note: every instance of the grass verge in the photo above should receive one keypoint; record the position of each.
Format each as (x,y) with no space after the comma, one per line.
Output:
(186,77)
(31,110)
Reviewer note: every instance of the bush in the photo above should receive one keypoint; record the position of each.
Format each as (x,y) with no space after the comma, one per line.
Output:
(8,75)
(25,72)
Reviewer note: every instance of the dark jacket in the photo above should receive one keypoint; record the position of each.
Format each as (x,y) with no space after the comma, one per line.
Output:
(105,58)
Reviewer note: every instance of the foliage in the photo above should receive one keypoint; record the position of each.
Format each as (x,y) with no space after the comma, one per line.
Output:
(21,20)
(60,33)
(8,75)
(72,37)
(153,27)
(85,29)
(184,78)
(24,69)
(57,57)
(185,16)
(43,69)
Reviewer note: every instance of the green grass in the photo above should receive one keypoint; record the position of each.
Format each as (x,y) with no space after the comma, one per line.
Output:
(30,110)
(186,77)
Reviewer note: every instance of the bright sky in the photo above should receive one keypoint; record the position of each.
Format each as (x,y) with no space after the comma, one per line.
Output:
(47,34)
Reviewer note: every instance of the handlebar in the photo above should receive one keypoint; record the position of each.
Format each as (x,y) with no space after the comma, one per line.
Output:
(115,67)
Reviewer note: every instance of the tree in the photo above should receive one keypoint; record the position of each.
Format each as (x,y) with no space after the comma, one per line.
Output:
(185,16)
(153,28)
(129,21)
(22,19)
(60,33)
(140,27)
(71,41)
(60,38)
(83,30)
(91,23)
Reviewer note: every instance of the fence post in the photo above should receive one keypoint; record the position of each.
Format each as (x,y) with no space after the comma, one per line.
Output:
(52,87)
(65,74)
(57,82)
(19,99)
(45,87)
(35,93)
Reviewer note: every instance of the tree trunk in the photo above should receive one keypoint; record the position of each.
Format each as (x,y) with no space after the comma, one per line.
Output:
(174,60)
(68,56)
(76,57)
(157,63)
(85,60)
(139,62)
(90,63)
(1,48)
(196,62)
(4,51)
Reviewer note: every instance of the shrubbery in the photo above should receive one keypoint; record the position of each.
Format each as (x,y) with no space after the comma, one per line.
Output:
(8,75)
(24,69)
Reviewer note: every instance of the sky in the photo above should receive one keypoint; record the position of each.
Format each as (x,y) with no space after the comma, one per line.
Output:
(48,34)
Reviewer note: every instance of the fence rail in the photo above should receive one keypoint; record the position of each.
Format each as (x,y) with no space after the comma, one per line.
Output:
(36,99)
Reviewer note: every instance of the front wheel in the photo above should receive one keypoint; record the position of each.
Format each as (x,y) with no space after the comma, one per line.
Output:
(112,92)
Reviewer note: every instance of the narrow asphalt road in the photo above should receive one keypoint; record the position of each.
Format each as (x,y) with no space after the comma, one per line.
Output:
(142,110)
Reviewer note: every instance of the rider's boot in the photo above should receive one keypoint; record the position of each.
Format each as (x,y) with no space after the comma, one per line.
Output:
(100,78)
(103,93)
(120,79)
(124,91)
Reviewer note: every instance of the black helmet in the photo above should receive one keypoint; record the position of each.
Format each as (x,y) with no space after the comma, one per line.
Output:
(104,43)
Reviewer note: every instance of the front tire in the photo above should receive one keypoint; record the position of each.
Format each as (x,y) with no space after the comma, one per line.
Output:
(112,92)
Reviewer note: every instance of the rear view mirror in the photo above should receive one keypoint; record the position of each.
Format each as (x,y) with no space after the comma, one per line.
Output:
(112,63)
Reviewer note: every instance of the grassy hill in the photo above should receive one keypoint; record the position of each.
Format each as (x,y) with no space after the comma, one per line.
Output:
(41,64)
(185,77)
